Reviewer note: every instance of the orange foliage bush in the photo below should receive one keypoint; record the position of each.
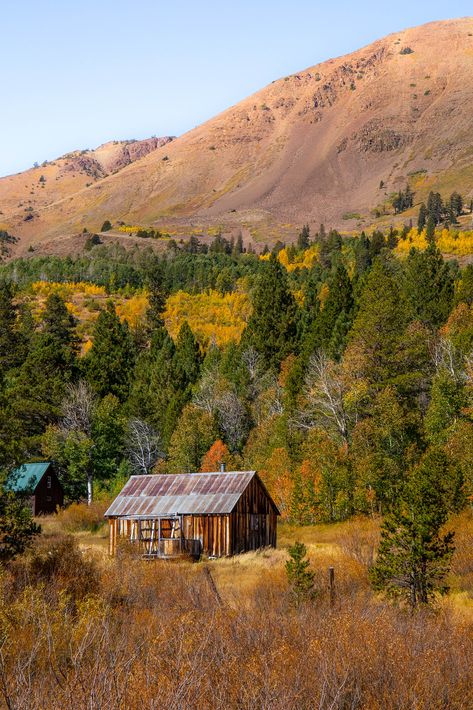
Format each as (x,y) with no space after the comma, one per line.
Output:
(216,455)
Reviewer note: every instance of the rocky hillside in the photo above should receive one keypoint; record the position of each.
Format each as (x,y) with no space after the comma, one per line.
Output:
(328,144)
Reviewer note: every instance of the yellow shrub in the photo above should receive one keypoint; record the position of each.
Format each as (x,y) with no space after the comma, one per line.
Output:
(210,315)
(447,240)
(79,516)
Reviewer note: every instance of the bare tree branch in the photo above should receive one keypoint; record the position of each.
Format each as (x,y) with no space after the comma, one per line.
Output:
(144,446)
(324,395)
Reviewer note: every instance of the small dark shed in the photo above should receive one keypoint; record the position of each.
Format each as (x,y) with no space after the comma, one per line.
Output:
(216,514)
(38,482)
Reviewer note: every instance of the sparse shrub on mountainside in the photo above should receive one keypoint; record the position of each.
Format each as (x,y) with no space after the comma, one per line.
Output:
(106,226)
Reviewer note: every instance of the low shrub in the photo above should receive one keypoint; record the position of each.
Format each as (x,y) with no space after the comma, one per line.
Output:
(79,517)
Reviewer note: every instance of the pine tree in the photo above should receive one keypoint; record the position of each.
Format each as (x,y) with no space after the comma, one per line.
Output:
(435,207)
(414,555)
(188,356)
(109,363)
(239,248)
(362,254)
(336,313)
(9,337)
(430,230)
(456,204)
(271,329)
(428,287)
(156,298)
(60,326)
(422,218)
(299,574)
(376,336)
(303,240)
(37,389)
(159,388)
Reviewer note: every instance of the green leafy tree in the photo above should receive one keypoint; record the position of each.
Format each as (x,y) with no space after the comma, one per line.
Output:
(17,527)
(299,574)
(414,554)
(192,438)
(448,398)
(464,287)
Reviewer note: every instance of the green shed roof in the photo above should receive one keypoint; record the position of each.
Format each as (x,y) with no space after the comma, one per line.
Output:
(27,476)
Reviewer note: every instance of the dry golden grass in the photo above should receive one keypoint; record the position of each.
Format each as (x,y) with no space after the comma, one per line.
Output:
(81,630)
(87,633)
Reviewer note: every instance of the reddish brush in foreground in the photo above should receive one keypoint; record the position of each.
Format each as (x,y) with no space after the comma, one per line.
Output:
(128,633)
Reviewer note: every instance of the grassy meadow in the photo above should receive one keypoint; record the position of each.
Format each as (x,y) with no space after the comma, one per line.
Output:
(79,629)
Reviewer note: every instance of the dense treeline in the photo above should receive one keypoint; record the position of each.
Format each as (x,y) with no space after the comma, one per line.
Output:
(349,375)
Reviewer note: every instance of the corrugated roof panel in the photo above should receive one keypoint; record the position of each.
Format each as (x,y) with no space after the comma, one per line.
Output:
(27,476)
(185,493)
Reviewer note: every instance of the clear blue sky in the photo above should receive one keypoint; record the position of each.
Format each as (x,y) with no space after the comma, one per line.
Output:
(76,73)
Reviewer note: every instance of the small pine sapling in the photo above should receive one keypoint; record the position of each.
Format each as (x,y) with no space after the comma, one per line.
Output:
(300,577)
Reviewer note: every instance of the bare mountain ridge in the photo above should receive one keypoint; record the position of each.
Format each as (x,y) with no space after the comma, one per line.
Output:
(326,144)
(25,195)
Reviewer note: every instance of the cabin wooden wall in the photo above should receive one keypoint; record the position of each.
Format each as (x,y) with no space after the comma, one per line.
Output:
(213,531)
(254,521)
(45,500)
(250,526)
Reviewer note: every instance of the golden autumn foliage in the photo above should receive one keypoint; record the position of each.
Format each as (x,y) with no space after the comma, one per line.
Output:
(448,241)
(277,478)
(300,260)
(211,316)
(133,309)
(67,290)
(85,300)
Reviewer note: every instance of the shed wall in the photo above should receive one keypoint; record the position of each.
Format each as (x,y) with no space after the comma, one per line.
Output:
(45,500)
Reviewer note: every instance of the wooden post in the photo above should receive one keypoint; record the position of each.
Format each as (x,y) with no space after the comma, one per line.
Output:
(331,583)
(110,541)
(213,586)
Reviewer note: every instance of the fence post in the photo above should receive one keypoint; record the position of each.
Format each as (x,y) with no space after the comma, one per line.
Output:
(331,583)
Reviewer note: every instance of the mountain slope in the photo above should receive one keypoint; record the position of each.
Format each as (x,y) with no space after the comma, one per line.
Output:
(24,196)
(314,146)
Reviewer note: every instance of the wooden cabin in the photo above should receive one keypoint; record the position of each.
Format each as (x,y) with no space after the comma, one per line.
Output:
(216,514)
(38,482)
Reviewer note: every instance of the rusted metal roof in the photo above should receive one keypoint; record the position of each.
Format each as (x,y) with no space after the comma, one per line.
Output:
(184,493)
